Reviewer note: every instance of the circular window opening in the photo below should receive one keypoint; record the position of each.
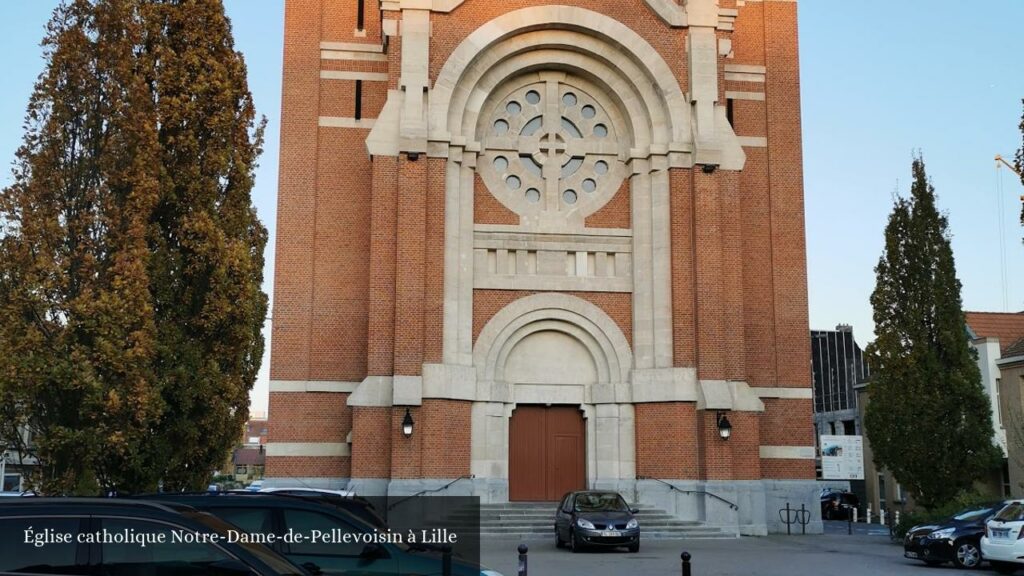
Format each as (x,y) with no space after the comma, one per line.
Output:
(513,108)
(569,196)
(600,130)
(533,195)
(601,167)
(501,128)
(569,99)
(500,164)
(533,97)
(588,112)
(589,185)
(513,182)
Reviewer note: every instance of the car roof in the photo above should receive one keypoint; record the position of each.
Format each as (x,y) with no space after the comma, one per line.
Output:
(58,501)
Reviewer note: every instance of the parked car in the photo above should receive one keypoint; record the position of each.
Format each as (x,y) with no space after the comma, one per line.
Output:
(267,513)
(1002,545)
(55,536)
(838,505)
(304,491)
(596,518)
(256,486)
(956,539)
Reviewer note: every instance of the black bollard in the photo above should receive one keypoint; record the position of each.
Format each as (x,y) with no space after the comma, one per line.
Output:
(446,560)
(849,520)
(686,563)
(804,518)
(523,549)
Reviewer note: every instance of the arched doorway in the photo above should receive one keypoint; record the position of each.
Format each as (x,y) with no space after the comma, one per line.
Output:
(547,442)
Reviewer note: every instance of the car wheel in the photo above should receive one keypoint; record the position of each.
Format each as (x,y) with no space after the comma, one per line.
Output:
(574,543)
(634,547)
(1004,567)
(968,554)
(558,539)
(828,514)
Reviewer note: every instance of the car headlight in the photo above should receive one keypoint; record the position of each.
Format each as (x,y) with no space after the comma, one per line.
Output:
(584,524)
(943,534)
(632,524)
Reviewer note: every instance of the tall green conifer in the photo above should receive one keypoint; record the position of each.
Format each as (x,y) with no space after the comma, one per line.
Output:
(928,419)
(130,254)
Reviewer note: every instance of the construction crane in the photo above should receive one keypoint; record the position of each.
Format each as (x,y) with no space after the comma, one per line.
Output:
(1002,161)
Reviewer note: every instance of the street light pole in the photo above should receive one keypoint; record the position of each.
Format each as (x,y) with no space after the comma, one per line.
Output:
(3,469)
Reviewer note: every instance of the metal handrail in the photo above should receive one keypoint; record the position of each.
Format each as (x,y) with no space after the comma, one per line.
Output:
(432,490)
(686,491)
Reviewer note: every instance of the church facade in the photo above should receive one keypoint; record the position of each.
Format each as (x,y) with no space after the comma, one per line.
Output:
(534,246)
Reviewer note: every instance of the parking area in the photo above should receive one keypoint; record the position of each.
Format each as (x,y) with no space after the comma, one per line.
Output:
(830,554)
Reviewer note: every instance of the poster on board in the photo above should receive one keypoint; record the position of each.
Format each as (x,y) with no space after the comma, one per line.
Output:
(842,457)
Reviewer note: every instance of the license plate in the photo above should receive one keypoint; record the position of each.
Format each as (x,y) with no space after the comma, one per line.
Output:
(910,554)
(609,533)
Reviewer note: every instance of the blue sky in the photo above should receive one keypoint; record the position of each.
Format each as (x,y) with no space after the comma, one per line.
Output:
(880,80)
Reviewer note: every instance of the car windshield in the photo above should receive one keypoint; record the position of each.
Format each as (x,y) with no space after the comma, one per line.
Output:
(973,513)
(266,555)
(608,502)
(1011,513)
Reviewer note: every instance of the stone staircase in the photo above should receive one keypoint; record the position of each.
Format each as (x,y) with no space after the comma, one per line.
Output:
(528,520)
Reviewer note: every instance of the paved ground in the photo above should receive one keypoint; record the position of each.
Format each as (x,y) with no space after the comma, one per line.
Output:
(831,554)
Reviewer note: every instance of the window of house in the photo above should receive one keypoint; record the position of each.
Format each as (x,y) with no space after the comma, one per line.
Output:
(240,470)
(11,483)
(849,428)
(881,490)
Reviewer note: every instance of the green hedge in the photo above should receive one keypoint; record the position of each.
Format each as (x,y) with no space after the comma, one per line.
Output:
(938,514)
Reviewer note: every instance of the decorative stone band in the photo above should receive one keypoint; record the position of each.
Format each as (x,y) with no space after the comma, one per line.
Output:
(455,382)
(352,46)
(803,393)
(312,386)
(739,95)
(353,75)
(309,449)
(788,452)
(753,141)
(353,55)
(341,122)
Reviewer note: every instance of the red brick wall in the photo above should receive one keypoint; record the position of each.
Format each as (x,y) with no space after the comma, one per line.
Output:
(451,29)
(371,443)
(308,417)
(785,174)
(440,444)
(381,329)
(487,303)
(433,300)
(666,440)
(616,213)
(306,467)
(737,458)
(411,266)
(487,209)
(293,275)
(684,313)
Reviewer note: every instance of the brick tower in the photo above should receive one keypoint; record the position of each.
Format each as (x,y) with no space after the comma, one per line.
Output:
(566,239)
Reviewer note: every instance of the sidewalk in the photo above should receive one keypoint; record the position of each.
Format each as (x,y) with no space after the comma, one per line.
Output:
(823,555)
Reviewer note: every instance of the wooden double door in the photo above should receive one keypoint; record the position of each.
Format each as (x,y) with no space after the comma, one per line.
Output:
(547,453)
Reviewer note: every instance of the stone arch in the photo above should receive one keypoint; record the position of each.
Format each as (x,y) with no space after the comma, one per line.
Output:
(604,401)
(571,315)
(611,50)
